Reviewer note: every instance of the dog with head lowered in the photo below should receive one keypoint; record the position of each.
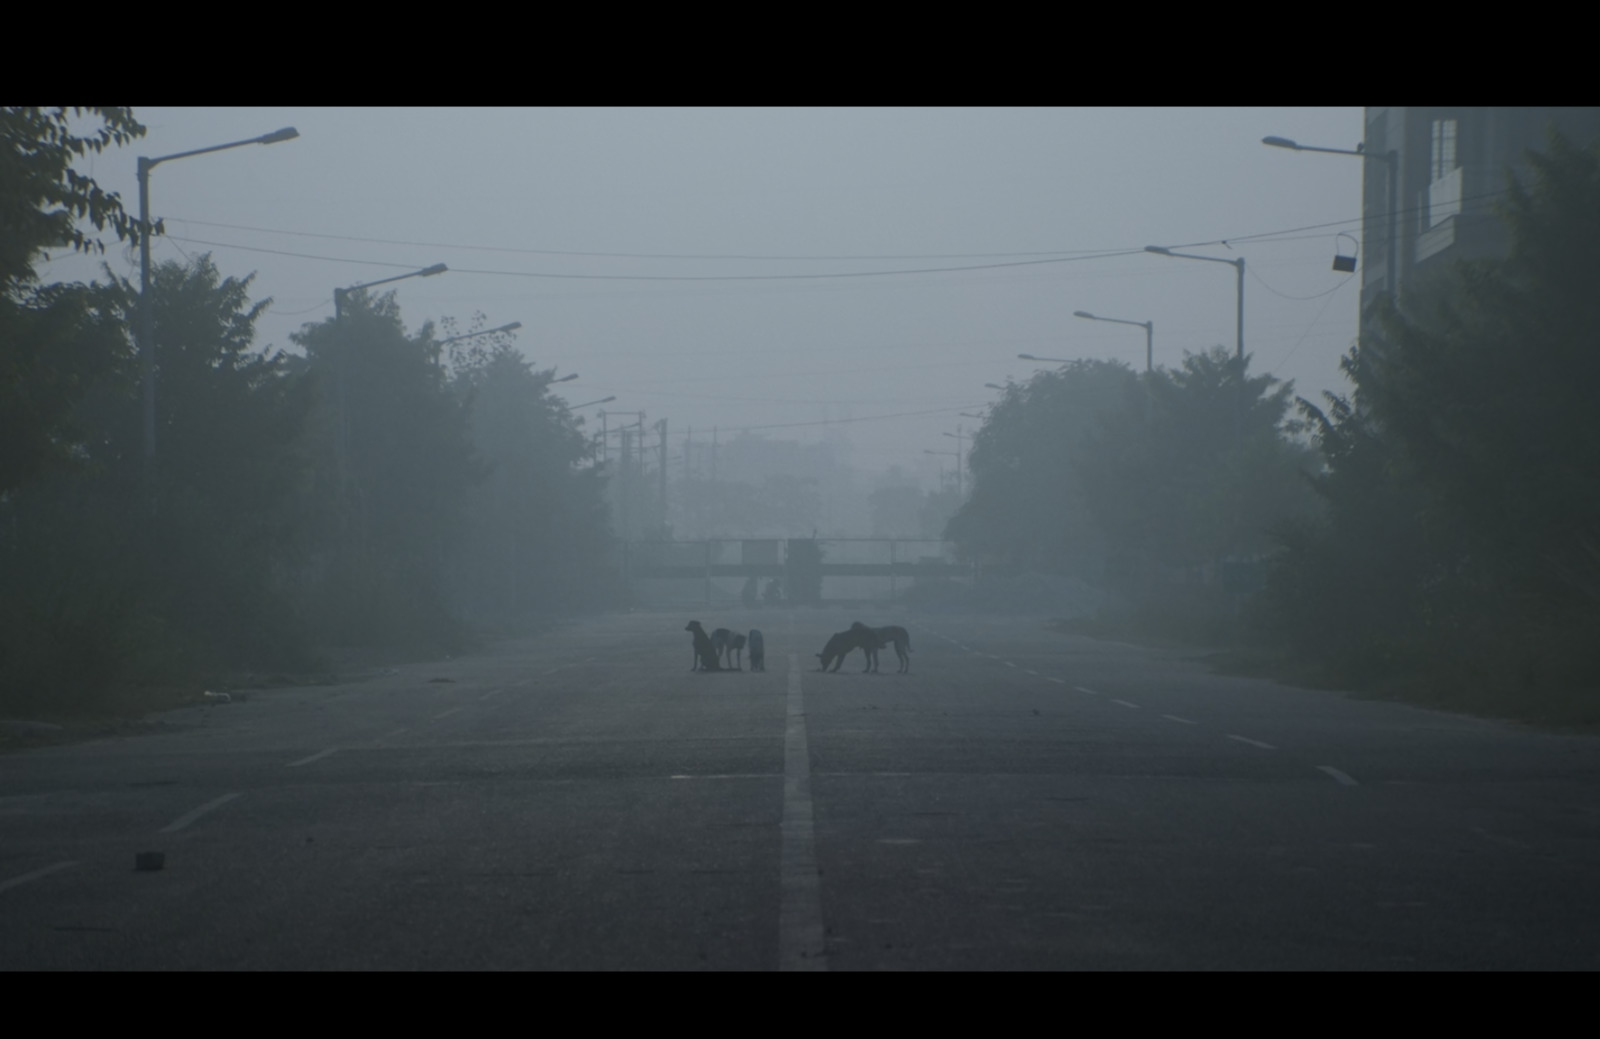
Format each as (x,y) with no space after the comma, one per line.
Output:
(842,643)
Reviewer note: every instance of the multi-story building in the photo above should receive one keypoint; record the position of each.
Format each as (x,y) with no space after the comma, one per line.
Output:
(1452,165)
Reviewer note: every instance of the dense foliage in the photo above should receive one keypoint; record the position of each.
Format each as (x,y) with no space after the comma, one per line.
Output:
(350,495)
(1146,484)
(1463,531)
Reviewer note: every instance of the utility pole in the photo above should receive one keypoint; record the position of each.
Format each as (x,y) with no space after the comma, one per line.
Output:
(662,425)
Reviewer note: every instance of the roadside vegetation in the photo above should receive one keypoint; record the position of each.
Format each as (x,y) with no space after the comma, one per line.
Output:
(370,492)
(1433,535)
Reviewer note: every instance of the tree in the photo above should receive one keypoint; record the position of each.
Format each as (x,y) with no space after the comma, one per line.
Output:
(1487,386)
(1027,508)
(392,462)
(1464,518)
(1200,471)
(536,531)
(54,343)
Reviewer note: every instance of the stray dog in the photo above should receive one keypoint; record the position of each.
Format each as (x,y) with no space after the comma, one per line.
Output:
(758,651)
(735,648)
(874,639)
(840,645)
(705,655)
(719,643)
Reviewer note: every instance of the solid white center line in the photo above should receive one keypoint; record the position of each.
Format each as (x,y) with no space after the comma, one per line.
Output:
(446,714)
(1081,689)
(318,756)
(7,885)
(184,820)
(800,935)
(1126,704)
(1185,721)
(1253,743)
(1344,778)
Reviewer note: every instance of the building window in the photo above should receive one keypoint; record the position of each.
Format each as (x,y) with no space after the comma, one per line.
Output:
(1444,148)
(1442,197)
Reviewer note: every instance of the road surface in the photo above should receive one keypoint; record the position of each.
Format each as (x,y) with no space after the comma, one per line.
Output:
(1023,799)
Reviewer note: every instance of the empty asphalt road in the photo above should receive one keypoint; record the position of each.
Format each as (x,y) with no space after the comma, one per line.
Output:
(1023,799)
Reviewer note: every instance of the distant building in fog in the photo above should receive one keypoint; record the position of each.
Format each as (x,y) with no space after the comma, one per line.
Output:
(1452,167)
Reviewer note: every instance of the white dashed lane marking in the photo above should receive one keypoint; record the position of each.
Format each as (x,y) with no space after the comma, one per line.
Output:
(1082,689)
(1253,743)
(7,885)
(1175,718)
(1126,704)
(184,820)
(1344,778)
(318,756)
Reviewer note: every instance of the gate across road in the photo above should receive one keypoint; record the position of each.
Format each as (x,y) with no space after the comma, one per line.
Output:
(808,570)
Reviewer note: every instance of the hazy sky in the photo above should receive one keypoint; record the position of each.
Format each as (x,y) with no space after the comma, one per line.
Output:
(510,197)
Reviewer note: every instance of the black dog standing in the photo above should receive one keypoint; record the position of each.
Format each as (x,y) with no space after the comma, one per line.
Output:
(758,651)
(705,656)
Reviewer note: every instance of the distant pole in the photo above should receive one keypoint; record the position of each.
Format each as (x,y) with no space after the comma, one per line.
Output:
(147,358)
(663,426)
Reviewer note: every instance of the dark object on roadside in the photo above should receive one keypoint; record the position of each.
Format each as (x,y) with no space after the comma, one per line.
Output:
(149,861)
(735,648)
(758,651)
(705,656)
(774,592)
(874,639)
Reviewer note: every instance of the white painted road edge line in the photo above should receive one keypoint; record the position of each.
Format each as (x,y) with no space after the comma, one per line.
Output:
(1344,778)
(800,935)
(1126,704)
(318,756)
(185,820)
(1253,743)
(1175,718)
(7,885)
(1081,689)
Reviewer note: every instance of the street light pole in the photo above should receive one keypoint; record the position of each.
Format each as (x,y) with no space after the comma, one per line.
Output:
(1390,158)
(1238,264)
(472,335)
(1149,334)
(960,437)
(147,358)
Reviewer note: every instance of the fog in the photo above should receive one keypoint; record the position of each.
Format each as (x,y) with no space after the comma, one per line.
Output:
(736,268)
